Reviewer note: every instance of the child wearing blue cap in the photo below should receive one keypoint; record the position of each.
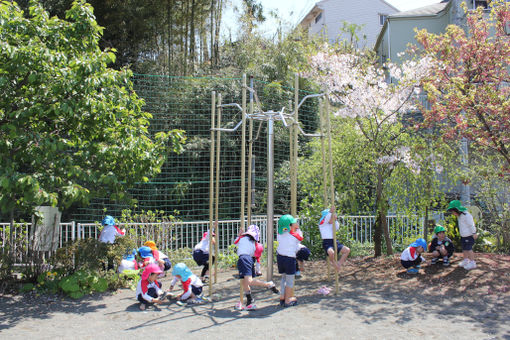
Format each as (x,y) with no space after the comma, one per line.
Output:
(411,256)
(146,255)
(128,262)
(110,230)
(191,284)
(326,228)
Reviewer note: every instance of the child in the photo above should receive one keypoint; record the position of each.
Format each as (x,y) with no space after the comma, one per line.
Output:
(110,230)
(289,237)
(441,246)
(191,284)
(467,232)
(246,250)
(148,290)
(302,255)
(159,257)
(146,255)
(201,254)
(326,229)
(411,258)
(128,262)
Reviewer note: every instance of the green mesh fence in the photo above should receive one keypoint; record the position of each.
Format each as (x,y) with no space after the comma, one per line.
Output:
(182,188)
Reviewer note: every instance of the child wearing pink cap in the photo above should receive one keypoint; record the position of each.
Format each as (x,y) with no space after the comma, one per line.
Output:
(148,290)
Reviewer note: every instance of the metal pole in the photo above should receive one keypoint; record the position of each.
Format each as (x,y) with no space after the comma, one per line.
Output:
(243,164)
(217,192)
(270,197)
(211,180)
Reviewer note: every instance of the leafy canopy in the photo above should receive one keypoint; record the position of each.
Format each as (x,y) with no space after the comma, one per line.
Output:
(69,125)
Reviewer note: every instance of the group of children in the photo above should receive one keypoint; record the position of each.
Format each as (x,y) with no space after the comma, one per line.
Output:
(441,247)
(290,255)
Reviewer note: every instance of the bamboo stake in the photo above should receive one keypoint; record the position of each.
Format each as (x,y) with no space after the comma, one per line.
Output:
(217,201)
(332,188)
(211,174)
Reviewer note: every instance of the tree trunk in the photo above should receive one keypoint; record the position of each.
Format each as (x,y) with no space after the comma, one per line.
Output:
(426,223)
(378,222)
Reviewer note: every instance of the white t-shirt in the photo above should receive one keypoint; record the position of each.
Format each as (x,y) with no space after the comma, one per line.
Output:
(288,245)
(108,234)
(246,246)
(466,224)
(203,245)
(326,228)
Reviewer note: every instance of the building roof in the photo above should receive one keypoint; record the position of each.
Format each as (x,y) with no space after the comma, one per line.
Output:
(318,7)
(430,10)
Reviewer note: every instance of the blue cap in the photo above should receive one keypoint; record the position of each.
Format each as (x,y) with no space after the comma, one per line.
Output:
(108,220)
(324,213)
(182,270)
(419,243)
(130,256)
(145,252)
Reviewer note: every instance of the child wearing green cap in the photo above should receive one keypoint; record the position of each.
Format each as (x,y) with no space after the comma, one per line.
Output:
(467,232)
(289,237)
(441,245)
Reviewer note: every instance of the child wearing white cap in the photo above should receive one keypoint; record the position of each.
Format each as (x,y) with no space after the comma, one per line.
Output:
(245,264)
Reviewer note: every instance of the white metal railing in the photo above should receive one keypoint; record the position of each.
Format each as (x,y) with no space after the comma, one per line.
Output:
(177,235)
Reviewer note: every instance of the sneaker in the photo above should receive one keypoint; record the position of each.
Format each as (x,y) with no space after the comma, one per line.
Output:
(239,306)
(463,263)
(470,265)
(282,303)
(290,304)
(273,288)
(434,260)
(417,266)
(298,273)
(412,271)
(446,262)
(250,307)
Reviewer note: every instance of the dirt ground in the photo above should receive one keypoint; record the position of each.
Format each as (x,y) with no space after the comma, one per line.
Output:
(376,300)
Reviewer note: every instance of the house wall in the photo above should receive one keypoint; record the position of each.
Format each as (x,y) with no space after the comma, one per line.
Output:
(360,12)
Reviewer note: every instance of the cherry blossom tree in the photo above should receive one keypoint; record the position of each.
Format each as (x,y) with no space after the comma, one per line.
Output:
(469,84)
(376,97)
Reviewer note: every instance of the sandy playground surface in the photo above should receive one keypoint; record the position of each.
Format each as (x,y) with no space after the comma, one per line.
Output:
(376,300)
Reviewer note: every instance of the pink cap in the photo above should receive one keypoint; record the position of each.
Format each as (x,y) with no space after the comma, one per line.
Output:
(151,268)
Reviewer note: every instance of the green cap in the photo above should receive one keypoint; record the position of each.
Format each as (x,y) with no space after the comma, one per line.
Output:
(439,228)
(284,223)
(455,204)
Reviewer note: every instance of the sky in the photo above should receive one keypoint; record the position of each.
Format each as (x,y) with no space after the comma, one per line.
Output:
(294,10)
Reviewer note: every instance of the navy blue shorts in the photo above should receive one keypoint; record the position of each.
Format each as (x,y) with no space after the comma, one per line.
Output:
(200,257)
(196,290)
(328,243)
(303,254)
(168,264)
(409,264)
(246,266)
(286,264)
(467,242)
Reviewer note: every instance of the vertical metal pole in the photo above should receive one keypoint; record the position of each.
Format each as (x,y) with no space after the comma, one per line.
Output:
(270,197)
(217,191)
(332,187)
(211,180)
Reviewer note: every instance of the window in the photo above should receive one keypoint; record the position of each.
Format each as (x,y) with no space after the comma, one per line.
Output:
(382,18)
(480,3)
(318,17)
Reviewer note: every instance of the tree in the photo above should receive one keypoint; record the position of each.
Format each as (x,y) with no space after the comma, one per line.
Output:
(70,127)
(361,92)
(468,87)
